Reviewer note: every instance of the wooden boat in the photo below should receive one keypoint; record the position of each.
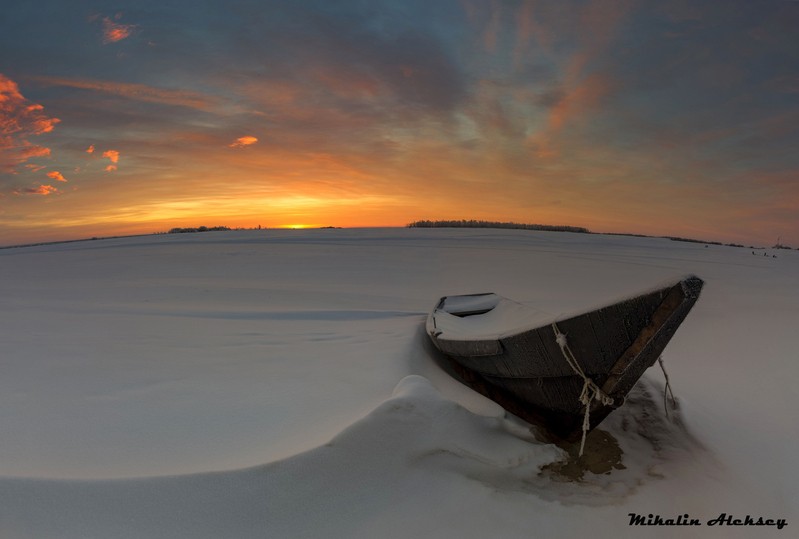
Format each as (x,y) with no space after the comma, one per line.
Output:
(551,371)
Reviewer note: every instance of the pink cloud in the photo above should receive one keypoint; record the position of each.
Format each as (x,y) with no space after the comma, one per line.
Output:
(28,151)
(241,142)
(136,92)
(113,155)
(19,120)
(55,175)
(113,31)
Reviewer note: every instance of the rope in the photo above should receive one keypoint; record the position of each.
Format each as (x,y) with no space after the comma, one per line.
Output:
(590,391)
(667,390)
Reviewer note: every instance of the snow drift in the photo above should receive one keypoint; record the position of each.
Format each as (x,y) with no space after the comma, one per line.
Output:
(279,384)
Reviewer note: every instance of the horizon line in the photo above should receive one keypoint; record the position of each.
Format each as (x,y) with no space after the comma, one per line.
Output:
(546,228)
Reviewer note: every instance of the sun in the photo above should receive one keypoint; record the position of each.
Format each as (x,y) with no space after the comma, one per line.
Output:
(298,226)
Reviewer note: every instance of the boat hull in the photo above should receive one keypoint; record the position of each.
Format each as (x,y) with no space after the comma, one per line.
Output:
(528,374)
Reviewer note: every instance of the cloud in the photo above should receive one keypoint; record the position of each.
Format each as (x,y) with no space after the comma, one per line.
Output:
(493,26)
(583,84)
(113,155)
(136,92)
(43,190)
(55,175)
(578,100)
(19,120)
(113,32)
(361,68)
(241,142)
(528,28)
(27,151)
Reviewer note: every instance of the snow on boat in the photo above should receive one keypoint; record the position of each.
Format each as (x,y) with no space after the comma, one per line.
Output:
(565,375)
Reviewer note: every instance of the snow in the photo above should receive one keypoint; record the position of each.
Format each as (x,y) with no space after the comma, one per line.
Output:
(505,317)
(280,384)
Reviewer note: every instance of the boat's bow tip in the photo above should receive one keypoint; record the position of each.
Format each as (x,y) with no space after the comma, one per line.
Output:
(692,286)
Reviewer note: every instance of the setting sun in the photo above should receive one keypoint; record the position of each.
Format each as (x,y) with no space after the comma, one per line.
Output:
(362,269)
(113,123)
(298,226)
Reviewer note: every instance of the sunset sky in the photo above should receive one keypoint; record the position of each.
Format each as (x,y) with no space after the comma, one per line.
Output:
(671,117)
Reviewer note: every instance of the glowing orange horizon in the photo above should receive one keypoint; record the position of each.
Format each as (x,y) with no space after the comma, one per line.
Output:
(188,177)
(298,226)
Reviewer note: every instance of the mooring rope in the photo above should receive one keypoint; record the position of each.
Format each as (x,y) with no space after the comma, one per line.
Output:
(667,390)
(590,392)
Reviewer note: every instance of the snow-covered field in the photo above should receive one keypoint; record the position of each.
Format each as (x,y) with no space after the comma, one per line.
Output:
(279,384)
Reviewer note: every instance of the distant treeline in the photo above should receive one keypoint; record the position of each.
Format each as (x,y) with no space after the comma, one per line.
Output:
(198,229)
(689,240)
(473,223)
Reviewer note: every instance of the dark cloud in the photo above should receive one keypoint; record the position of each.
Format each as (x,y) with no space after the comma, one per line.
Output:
(551,97)
(699,77)
(42,190)
(388,59)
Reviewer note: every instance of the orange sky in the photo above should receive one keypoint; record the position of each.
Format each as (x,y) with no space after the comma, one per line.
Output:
(606,114)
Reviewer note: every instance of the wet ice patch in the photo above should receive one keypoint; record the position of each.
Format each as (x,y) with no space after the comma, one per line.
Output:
(641,442)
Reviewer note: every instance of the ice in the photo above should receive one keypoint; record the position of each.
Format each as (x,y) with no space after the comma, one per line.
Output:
(280,384)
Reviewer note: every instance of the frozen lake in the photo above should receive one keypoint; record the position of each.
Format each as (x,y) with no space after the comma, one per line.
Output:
(278,383)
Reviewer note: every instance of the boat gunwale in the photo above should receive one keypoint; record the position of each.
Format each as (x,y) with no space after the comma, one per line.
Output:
(676,300)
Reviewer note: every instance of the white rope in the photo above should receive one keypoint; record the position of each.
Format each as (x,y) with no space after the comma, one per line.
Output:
(590,391)
(667,390)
